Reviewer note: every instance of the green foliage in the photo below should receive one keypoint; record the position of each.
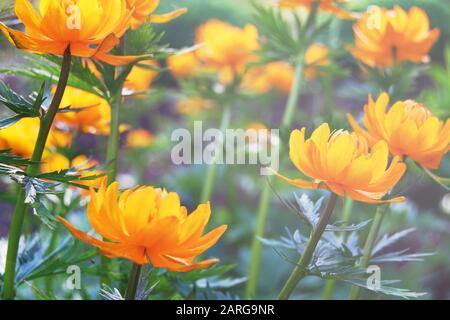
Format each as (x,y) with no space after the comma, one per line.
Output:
(152,44)
(437,98)
(21,106)
(47,68)
(336,256)
(10,159)
(39,260)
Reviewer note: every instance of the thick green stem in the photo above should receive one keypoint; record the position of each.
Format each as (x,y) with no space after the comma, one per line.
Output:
(21,208)
(346,214)
(112,154)
(133,282)
(113,139)
(368,247)
(300,270)
(208,186)
(263,207)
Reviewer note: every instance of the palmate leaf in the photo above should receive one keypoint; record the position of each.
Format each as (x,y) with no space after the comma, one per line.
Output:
(10,159)
(109,293)
(338,252)
(282,42)
(34,262)
(388,240)
(386,289)
(47,68)
(152,44)
(23,107)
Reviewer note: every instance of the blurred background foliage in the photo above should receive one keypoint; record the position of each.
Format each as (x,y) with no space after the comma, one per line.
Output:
(236,195)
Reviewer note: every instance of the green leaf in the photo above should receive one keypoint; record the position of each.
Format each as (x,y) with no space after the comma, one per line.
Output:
(17,103)
(8,158)
(5,123)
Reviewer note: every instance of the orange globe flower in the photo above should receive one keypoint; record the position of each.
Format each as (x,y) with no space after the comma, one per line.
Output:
(342,163)
(385,37)
(408,128)
(184,65)
(142,10)
(55,162)
(84,166)
(226,49)
(88,112)
(194,105)
(148,225)
(277,75)
(141,77)
(315,56)
(21,137)
(325,5)
(90,27)
(139,138)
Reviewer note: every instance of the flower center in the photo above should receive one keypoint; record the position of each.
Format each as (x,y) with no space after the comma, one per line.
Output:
(417,112)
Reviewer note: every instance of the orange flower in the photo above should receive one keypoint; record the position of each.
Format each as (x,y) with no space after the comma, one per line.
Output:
(184,65)
(386,37)
(139,138)
(90,27)
(55,162)
(141,77)
(142,11)
(90,113)
(194,105)
(315,56)
(325,5)
(408,128)
(148,225)
(342,163)
(21,137)
(275,75)
(226,49)
(83,165)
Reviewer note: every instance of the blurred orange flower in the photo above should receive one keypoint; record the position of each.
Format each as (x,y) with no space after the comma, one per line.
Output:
(226,49)
(408,128)
(316,56)
(184,65)
(325,5)
(90,27)
(21,137)
(193,105)
(148,225)
(90,113)
(139,138)
(342,163)
(385,37)
(141,77)
(84,166)
(277,75)
(142,10)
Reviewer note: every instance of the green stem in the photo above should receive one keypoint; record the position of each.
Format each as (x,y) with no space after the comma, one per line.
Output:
(112,154)
(368,247)
(113,139)
(263,207)
(208,186)
(288,117)
(133,282)
(21,208)
(300,270)
(346,214)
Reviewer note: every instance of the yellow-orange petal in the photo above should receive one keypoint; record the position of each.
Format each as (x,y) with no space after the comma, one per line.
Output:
(167,17)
